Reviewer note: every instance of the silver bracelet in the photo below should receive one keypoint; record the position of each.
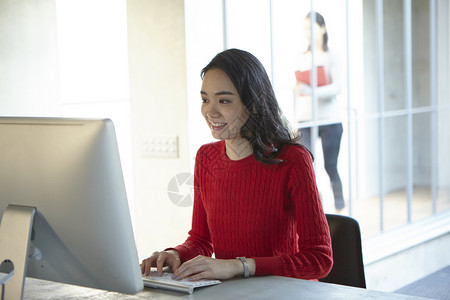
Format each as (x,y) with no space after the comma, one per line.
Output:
(246,268)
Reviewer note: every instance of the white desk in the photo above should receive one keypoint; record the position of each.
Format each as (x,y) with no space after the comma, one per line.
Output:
(270,287)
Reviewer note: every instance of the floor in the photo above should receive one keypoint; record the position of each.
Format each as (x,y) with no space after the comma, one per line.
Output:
(435,286)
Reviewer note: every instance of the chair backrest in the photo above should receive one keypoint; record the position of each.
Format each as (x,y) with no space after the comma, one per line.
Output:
(348,267)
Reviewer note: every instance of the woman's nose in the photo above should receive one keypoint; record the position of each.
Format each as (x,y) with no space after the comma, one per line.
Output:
(212,112)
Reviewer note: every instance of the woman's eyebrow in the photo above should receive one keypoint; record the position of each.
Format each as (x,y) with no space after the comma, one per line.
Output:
(218,93)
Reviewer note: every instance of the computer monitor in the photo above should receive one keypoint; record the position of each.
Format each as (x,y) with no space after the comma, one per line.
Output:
(64,177)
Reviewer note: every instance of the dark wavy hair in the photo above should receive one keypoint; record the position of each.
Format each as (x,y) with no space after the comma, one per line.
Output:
(321,22)
(266,128)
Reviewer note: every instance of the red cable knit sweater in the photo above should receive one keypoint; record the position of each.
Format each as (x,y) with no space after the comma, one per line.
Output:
(272,214)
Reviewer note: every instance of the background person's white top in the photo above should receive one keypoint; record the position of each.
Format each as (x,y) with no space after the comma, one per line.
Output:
(328,104)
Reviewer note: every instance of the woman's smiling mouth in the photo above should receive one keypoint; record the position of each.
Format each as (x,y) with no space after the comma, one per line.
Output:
(217,125)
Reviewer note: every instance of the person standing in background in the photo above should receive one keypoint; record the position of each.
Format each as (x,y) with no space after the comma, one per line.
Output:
(327,89)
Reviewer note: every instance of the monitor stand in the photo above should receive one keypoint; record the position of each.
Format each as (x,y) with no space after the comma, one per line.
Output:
(15,235)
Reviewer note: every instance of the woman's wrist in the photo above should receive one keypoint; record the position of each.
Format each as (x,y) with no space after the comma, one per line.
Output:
(241,268)
(251,266)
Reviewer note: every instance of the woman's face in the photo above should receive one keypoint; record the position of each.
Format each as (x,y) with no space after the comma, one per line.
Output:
(319,31)
(222,107)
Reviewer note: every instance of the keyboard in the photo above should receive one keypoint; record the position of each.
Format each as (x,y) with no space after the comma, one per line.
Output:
(166,282)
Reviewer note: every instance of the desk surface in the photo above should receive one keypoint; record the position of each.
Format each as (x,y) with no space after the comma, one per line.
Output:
(270,287)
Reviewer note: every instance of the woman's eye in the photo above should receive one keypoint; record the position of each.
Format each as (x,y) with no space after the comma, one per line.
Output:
(224,101)
(204,100)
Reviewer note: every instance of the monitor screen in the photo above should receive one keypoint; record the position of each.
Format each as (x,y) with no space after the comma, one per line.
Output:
(70,171)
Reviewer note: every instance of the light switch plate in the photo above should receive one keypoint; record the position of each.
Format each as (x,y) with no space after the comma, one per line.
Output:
(160,146)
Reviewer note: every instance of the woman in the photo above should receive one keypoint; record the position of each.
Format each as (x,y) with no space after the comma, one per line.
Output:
(327,105)
(250,208)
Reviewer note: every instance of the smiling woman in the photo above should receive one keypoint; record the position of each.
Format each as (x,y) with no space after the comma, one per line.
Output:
(256,203)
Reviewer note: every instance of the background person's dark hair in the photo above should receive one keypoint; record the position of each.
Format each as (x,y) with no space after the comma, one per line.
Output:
(266,129)
(321,22)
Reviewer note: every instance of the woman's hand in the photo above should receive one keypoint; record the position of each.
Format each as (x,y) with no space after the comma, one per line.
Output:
(203,267)
(306,90)
(160,259)
(302,89)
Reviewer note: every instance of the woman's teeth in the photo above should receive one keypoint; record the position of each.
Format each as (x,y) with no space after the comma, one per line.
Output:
(217,124)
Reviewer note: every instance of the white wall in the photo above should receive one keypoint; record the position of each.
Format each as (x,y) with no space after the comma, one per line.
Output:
(28,58)
(159,107)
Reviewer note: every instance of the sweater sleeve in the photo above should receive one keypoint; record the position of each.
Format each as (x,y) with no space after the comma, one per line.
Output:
(314,258)
(199,240)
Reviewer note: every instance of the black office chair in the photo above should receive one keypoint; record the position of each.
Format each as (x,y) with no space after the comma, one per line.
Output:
(348,267)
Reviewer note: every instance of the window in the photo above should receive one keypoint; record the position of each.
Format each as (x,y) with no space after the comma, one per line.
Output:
(393,160)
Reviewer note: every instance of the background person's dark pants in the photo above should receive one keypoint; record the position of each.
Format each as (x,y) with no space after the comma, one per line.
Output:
(330,136)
